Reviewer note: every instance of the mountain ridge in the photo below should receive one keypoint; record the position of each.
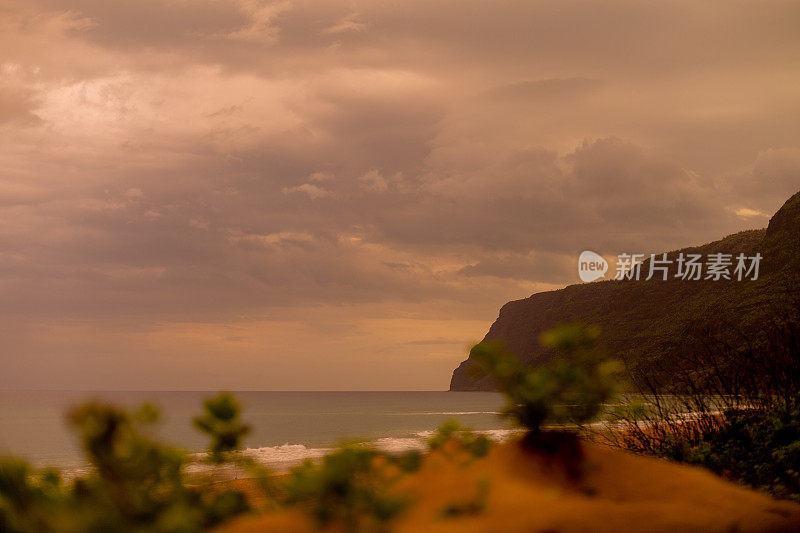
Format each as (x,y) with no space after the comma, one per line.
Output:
(644,320)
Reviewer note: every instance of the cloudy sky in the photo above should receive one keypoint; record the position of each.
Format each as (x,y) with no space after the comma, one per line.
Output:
(246,194)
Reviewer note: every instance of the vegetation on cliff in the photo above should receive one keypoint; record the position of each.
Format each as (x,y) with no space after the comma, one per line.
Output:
(645,323)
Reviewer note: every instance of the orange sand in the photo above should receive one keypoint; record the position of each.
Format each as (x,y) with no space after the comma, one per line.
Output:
(531,492)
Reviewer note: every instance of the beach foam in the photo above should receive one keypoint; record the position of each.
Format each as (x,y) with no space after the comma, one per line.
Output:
(286,456)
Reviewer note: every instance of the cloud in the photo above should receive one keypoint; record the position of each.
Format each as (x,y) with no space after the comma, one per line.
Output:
(373,181)
(154,23)
(347,23)
(17,108)
(261,26)
(550,268)
(175,164)
(309,189)
(321,176)
(747,213)
(546,89)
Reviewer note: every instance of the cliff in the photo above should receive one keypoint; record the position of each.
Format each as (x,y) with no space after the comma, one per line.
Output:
(644,322)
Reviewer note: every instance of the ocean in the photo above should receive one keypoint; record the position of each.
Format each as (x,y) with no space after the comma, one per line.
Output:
(287,427)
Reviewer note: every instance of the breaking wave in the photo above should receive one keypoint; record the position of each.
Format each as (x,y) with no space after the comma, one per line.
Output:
(286,456)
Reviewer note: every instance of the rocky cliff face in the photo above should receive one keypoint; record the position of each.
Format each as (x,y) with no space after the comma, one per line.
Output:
(644,322)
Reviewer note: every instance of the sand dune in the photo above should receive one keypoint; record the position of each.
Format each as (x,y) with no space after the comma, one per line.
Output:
(529,491)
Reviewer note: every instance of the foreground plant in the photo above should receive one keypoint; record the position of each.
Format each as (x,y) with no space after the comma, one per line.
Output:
(137,483)
(30,500)
(220,421)
(571,390)
(732,407)
(452,434)
(352,487)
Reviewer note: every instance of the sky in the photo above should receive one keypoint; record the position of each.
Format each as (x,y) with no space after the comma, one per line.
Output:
(340,195)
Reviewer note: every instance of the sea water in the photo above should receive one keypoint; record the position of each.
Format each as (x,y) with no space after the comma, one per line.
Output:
(287,427)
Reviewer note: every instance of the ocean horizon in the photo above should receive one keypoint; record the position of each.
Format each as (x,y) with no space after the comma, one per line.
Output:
(286,426)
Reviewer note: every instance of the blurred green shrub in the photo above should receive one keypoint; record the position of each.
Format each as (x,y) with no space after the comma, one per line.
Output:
(220,421)
(572,389)
(136,483)
(757,447)
(30,501)
(463,437)
(351,487)
(733,408)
